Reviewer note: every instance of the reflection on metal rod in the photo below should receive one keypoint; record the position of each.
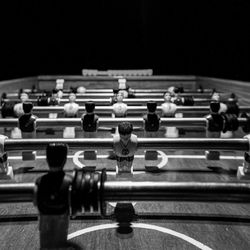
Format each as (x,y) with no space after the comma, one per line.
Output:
(143,143)
(98,94)
(107,101)
(111,122)
(147,191)
(67,91)
(17,192)
(176,191)
(131,109)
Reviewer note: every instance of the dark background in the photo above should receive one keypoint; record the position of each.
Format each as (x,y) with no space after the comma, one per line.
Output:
(209,38)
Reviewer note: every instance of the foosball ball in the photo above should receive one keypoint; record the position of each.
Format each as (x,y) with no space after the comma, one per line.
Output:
(145,162)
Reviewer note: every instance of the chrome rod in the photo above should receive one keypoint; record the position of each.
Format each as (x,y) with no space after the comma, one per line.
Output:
(98,94)
(147,191)
(107,101)
(111,122)
(97,90)
(131,109)
(176,191)
(17,192)
(143,143)
(171,122)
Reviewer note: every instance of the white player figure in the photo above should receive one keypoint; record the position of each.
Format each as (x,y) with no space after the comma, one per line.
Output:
(243,172)
(6,171)
(123,87)
(59,87)
(70,111)
(168,110)
(171,90)
(71,108)
(59,83)
(18,110)
(223,106)
(120,108)
(81,90)
(125,146)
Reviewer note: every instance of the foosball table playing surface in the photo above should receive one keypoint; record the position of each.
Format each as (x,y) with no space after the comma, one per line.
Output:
(190,190)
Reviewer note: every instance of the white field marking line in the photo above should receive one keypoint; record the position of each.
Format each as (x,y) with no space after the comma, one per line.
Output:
(143,226)
(77,162)
(225,157)
(164,160)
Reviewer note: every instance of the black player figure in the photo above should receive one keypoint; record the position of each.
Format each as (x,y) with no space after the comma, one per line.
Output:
(89,119)
(53,100)
(114,97)
(52,199)
(27,121)
(151,119)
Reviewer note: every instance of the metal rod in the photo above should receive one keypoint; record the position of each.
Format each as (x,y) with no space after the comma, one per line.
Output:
(98,94)
(113,76)
(143,143)
(111,122)
(17,192)
(176,191)
(186,91)
(107,101)
(110,91)
(147,191)
(67,91)
(194,144)
(171,122)
(131,109)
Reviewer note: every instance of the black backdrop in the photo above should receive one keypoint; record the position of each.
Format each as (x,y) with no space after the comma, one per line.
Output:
(173,37)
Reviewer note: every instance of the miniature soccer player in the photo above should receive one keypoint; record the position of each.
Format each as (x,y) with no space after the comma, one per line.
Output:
(151,119)
(70,111)
(27,125)
(125,145)
(6,171)
(120,108)
(52,199)
(18,111)
(18,108)
(81,90)
(168,110)
(59,87)
(114,97)
(89,120)
(71,108)
(223,106)
(54,100)
(123,87)
(27,121)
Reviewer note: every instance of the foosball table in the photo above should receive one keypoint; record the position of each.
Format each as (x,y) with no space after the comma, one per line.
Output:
(108,160)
